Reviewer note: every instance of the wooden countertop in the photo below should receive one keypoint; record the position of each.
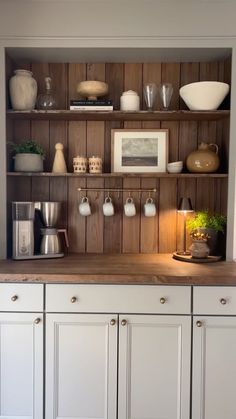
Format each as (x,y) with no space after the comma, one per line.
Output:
(118,269)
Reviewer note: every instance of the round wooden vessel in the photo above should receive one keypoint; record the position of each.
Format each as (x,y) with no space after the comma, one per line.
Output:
(92,89)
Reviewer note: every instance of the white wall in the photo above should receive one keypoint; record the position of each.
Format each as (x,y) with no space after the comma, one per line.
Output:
(117,18)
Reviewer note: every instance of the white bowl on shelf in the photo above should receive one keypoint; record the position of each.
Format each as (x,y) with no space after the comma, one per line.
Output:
(175,167)
(204,95)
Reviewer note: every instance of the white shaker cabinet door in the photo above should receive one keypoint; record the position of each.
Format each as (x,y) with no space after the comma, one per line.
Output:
(81,366)
(214,368)
(154,367)
(21,366)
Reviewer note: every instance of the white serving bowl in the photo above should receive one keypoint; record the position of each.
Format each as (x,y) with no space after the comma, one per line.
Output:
(175,167)
(204,95)
(175,163)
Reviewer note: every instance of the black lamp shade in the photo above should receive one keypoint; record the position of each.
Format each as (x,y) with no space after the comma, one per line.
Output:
(185,205)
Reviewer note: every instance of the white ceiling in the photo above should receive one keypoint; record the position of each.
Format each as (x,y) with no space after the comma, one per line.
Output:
(93,55)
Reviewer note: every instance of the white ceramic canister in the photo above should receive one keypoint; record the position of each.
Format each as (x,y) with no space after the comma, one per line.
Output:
(23,90)
(129,101)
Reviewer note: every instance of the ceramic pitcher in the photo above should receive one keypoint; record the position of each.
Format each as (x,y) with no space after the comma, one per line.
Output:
(204,160)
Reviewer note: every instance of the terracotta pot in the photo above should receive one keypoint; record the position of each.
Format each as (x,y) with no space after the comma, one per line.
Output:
(203,160)
(199,249)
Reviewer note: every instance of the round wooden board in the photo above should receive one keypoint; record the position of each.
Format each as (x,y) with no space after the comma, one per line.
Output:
(190,259)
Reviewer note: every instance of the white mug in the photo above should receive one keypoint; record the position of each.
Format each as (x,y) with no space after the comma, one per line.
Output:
(84,207)
(129,207)
(149,208)
(108,207)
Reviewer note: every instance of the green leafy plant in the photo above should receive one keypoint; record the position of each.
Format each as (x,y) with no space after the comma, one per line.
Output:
(205,219)
(29,146)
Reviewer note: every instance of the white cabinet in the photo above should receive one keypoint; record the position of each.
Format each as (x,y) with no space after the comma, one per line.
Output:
(154,367)
(214,353)
(214,367)
(83,376)
(21,366)
(81,366)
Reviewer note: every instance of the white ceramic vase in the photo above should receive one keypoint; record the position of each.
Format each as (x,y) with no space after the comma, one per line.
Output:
(23,90)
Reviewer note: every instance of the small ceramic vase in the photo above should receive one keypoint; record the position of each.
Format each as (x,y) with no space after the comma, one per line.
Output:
(199,249)
(80,164)
(23,90)
(129,101)
(95,164)
(203,160)
(59,164)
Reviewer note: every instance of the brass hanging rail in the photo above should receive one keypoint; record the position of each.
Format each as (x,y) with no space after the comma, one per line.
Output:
(115,190)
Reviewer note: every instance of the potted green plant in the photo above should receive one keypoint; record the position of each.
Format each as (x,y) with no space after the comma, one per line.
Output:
(28,157)
(210,224)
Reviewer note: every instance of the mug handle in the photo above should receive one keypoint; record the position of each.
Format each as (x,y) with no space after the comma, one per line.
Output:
(108,199)
(63,230)
(84,199)
(216,147)
(149,200)
(129,200)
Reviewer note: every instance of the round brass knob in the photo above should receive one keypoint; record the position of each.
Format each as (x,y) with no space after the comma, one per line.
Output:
(199,323)
(123,322)
(162,300)
(112,322)
(14,298)
(73,299)
(223,301)
(37,321)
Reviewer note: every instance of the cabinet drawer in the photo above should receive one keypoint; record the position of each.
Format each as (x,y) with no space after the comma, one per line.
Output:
(21,297)
(214,300)
(118,298)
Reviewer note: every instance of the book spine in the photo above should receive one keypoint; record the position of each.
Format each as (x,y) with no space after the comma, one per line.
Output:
(91,108)
(91,102)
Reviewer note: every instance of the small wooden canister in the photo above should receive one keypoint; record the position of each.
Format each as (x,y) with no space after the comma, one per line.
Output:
(80,164)
(95,164)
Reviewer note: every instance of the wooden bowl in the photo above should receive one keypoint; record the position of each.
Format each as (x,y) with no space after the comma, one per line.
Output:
(92,89)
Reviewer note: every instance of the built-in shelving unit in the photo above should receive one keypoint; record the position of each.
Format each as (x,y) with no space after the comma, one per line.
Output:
(88,133)
(67,115)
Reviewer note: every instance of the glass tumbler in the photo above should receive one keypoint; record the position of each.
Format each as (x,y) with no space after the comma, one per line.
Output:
(150,94)
(166,92)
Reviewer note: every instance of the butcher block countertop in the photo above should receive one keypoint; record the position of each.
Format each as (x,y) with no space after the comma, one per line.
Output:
(118,269)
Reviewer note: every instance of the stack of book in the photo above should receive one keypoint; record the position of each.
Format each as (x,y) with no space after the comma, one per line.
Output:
(91,105)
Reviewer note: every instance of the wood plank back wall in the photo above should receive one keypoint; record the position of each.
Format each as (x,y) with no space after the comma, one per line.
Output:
(121,234)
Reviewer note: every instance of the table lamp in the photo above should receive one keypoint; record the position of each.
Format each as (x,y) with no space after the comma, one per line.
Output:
(184,207)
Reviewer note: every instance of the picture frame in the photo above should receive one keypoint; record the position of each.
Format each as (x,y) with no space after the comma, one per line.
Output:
(139,150)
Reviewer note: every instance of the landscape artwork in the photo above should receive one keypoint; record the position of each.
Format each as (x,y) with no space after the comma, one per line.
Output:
(139,152)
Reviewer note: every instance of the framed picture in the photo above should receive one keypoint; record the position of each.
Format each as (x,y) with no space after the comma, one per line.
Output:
(139,150)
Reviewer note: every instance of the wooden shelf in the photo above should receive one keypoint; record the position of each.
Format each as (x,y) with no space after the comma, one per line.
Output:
(120,175)
(68,115)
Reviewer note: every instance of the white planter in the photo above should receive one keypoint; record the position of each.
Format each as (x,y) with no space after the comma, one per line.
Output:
(23,90)
(27,162)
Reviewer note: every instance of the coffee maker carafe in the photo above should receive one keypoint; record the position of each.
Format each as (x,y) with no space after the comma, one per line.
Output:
(50,241)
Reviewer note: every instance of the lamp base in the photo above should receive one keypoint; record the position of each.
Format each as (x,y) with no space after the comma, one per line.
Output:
(185,253)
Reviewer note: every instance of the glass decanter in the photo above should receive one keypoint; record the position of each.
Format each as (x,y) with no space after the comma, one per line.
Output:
(47,100)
